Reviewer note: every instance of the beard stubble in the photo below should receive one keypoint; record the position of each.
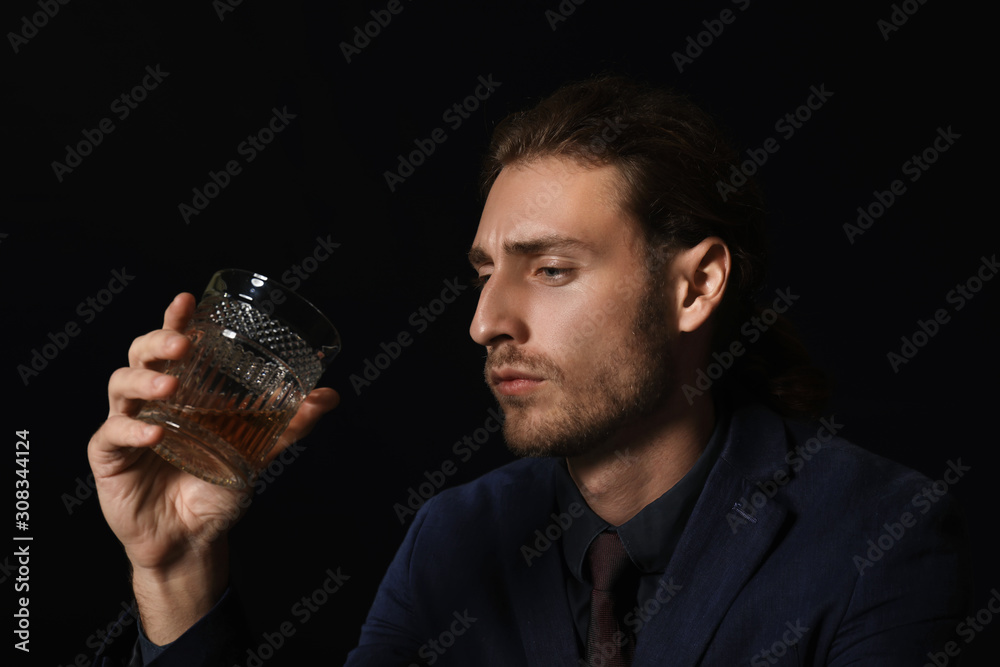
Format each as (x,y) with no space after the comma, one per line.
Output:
(625,385)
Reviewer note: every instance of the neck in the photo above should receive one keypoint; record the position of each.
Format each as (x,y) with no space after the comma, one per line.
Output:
(644,460)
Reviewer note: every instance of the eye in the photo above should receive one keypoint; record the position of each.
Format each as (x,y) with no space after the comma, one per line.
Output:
(480,281)
(555,274)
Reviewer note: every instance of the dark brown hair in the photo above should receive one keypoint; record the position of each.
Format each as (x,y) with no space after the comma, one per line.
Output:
(672,157)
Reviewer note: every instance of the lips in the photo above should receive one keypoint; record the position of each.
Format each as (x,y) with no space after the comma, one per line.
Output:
(513,382)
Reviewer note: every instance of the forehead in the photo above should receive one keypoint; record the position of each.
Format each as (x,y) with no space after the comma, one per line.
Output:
(553,197)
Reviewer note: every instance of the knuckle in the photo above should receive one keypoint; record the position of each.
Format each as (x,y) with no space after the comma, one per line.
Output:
(118,379)
(137,433)
(138,348)
(105,434)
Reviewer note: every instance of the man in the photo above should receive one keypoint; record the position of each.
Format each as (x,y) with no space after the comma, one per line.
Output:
(614,274)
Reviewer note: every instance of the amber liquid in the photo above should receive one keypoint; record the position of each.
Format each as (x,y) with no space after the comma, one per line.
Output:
(250,432)
(226,447)
(234,400)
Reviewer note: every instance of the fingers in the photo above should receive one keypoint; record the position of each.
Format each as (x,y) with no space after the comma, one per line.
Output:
(148,350)
(316,404)
(120,431)
(129,388)
(120,438)
(166,343)
(324,397)
(179,312)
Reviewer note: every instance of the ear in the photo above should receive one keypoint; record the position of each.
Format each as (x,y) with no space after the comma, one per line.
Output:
(699,276)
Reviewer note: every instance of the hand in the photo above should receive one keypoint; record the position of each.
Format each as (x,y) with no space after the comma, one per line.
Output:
(172,524)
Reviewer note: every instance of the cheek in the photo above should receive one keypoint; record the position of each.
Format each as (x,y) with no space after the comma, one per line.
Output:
(576,328)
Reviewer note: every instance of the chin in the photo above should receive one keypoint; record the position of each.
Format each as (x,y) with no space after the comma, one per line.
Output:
(553,439)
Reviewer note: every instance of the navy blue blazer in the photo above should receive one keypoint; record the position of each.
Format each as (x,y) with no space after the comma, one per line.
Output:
(801,550)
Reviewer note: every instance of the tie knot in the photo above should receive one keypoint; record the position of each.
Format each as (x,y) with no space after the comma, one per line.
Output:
(607,560)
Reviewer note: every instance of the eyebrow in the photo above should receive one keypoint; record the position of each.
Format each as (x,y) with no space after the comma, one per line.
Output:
(553,243)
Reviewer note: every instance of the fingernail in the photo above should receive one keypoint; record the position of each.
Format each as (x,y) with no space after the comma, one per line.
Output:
(160,382)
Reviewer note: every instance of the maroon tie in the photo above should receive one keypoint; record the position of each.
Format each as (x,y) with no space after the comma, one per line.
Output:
(609,644)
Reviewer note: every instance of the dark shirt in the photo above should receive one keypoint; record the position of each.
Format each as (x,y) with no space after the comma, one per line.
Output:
(650,537)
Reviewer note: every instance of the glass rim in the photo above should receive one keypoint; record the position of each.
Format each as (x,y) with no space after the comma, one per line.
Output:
(312,325)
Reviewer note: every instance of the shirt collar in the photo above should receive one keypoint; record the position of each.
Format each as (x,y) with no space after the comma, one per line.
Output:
(651,535)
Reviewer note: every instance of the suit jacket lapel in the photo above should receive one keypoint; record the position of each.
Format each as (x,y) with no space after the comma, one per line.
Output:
(538,585)
(720,549)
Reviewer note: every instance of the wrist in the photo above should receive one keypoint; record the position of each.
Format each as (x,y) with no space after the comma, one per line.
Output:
(172,598)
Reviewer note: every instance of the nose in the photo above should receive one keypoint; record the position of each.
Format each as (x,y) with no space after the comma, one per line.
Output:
(498,316)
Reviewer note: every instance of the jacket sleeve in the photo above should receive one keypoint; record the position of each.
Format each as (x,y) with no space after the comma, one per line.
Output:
(912,590)
(218,638)
(393,633)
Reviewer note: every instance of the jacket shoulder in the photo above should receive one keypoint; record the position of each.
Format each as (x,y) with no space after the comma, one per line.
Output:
(486,497)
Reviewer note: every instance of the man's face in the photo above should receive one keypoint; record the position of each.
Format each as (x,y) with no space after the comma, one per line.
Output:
(575,329)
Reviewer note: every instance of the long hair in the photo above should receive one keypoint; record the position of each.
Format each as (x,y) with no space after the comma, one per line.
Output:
(679,180)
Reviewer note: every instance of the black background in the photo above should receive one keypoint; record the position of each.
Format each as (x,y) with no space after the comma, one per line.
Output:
(323,177)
